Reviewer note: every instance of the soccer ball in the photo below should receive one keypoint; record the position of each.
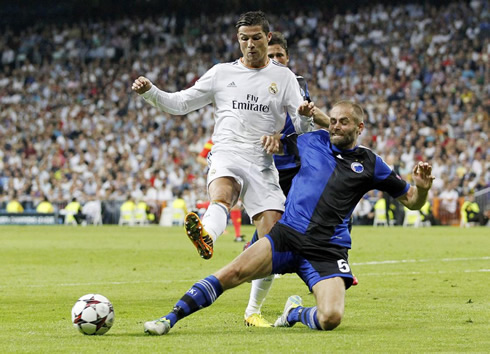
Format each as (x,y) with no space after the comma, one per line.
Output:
(92,314)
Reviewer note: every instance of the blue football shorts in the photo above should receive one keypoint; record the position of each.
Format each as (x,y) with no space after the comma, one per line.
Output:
(330,262)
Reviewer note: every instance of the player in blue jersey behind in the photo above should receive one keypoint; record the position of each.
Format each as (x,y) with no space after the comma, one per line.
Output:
(312,238)
(288,164)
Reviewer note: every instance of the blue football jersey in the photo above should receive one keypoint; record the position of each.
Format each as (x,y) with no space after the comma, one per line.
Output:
(329,185)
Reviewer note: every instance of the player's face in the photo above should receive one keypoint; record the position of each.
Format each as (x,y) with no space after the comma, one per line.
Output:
(344,128)
(278,53)
(253,44)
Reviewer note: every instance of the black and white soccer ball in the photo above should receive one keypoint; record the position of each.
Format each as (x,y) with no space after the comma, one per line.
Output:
(92,314)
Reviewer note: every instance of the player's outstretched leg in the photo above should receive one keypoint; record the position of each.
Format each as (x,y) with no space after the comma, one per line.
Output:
(200,295)
(198,236)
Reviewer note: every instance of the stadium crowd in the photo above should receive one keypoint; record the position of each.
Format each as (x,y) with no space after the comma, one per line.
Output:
(72,128)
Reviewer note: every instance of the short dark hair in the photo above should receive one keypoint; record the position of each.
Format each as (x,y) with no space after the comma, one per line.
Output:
(356,108)
(253,18)
(278,38)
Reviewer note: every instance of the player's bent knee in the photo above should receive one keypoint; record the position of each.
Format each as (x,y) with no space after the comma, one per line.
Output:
(330,319)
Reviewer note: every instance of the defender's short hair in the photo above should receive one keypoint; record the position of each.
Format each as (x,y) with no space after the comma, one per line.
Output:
(253,18)
(356,108)
(278,38)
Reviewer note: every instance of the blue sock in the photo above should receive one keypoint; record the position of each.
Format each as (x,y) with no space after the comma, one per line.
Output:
(200,295)
(305,315)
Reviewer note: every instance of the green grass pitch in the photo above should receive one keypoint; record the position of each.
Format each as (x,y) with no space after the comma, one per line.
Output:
(421,290)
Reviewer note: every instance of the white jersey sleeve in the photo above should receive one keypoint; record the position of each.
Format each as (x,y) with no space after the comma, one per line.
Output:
(185,101)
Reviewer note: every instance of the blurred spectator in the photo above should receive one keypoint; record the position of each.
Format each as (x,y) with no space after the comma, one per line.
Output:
(449,203)
(363,212)
(179,209)
(426,214)
(73,212)
(127,210)
(13,205)
(236,220)
(143,213)
(383,210)
(45,207)
(92,209)
(470,212)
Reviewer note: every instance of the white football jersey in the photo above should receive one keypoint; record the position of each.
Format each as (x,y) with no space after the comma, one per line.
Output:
(248,103)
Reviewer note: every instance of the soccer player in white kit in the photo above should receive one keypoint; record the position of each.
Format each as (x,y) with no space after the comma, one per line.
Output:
(251,98)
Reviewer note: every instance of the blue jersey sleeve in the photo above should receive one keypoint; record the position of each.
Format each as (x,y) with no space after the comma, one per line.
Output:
(386,180)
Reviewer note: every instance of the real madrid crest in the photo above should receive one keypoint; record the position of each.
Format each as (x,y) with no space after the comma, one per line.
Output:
(273,88)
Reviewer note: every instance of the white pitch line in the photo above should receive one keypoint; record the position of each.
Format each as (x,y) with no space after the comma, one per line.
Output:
(420,261)
(190,281)
(100,283)
(424,273)
(284,275)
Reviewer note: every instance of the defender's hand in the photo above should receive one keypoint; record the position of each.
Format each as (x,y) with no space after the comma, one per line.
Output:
(422,175)
(306,108)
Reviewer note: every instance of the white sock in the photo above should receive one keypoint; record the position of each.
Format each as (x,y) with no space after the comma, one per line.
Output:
(215,220)
(260,289)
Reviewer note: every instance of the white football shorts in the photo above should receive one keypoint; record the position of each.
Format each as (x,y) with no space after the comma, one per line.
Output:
(260,189)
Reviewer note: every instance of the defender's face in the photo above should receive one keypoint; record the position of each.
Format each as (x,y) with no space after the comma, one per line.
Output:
(343,128)
(278,53)
(253,44)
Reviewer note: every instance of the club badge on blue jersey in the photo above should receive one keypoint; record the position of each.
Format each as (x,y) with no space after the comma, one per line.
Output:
(357,167)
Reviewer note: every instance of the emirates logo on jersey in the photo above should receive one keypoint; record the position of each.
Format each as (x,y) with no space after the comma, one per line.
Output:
(252,104)
(357,167)
(273,88)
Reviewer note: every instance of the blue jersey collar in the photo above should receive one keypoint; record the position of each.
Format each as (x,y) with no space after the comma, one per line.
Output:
(336,149)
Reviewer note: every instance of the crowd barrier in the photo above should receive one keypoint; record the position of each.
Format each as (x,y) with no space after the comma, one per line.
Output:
(111,212)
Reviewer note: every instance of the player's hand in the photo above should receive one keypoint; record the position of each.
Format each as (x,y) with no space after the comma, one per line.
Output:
(422,175)
(141,85)
(306,109)
(272,143)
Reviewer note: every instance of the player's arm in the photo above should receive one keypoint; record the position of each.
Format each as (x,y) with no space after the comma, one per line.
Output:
(416,195)
(181,102)
(321,118)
